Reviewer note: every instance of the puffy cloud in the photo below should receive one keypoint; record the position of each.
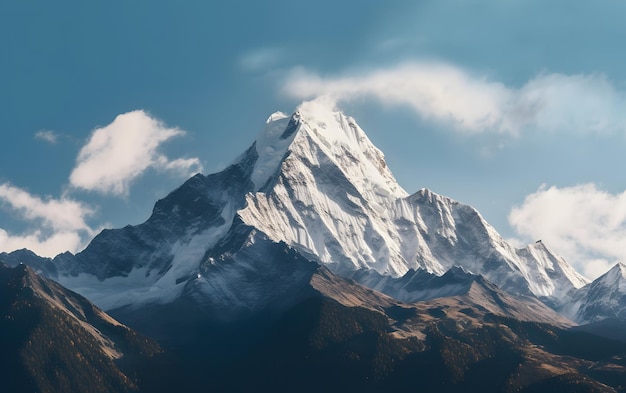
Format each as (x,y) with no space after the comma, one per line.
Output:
(120,152)
(60,223)
(474,104)
(112,158)
(585,225)
(47,135)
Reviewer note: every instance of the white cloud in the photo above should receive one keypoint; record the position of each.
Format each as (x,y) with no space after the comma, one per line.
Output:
(60,223)
(120,152)
(47,135)
(42,245)
(179,165)
(585,225)
(473,104)
(58,214)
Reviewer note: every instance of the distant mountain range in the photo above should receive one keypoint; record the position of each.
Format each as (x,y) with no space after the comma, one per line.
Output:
(304,266)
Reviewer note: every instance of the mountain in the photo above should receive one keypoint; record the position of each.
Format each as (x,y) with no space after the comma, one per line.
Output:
(56,340)
(314,181)
(604,298)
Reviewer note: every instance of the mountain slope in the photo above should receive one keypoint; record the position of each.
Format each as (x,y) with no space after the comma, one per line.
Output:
(321,345)
(54,340)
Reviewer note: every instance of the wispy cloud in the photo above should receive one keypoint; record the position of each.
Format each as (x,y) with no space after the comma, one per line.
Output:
(179,165)
(60,224)
(59,214)
(47,136)
(474,104)
(584,224)
(260,59)
(120,152)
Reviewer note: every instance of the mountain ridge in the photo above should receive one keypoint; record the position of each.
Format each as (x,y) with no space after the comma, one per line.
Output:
(314,181)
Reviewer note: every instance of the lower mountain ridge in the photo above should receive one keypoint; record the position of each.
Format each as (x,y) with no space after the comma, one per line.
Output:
(333,334)
(280,322)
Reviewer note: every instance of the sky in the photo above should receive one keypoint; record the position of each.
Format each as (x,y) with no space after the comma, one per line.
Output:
(514,107)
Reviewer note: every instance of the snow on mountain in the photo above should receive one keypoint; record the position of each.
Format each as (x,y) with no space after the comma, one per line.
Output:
(603,298)
(315,182)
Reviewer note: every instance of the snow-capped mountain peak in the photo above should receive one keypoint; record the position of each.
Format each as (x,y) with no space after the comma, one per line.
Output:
(614,278)
(330,181)
(318,130)
(559,275)
(619,270)
(603,298)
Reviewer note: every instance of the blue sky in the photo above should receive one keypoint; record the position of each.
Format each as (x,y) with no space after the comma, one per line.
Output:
(515,107)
